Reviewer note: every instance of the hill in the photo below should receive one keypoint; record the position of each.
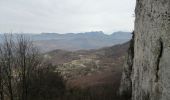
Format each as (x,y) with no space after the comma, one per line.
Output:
(87,68)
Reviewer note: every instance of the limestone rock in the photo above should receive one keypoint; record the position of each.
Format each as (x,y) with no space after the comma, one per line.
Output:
(150,74)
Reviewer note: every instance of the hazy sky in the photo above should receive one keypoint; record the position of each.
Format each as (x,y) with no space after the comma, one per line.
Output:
(65,16)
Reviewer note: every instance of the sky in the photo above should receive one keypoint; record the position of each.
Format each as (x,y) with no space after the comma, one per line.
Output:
(66,16)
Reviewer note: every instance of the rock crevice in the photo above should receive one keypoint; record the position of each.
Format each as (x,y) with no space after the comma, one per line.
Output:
(158,60)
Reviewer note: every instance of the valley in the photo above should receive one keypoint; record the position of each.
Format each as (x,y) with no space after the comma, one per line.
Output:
(94,70)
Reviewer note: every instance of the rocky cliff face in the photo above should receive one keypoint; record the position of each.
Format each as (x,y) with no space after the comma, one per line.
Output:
(146,73)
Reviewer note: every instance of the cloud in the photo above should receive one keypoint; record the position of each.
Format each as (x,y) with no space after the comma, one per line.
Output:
(66,15)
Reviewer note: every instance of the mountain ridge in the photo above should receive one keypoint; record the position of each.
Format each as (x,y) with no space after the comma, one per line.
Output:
(81,41)
(75,41)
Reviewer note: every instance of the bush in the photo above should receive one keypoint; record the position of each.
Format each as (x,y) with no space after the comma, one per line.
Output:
(47,84)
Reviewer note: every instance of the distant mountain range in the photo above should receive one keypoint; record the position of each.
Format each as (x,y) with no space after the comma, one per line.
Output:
(77,41)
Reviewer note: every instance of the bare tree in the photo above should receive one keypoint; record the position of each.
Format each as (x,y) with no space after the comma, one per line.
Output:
(27,62)
(18,60)
(1,78)
(7,66)
(23,72)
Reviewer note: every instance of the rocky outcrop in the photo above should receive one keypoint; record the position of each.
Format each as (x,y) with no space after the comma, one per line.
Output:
(126,82)
(147,76)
